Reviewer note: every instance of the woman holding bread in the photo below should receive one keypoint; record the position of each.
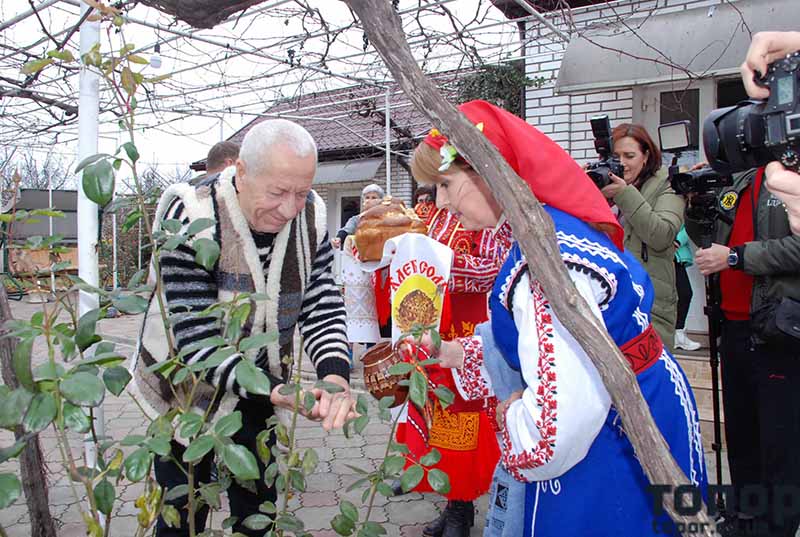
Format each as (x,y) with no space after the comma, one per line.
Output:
(566,465)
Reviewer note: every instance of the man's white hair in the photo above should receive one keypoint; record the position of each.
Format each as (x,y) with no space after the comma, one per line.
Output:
(260,141)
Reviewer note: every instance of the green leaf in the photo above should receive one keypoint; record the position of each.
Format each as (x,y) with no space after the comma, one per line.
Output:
(330,387)
(343,525)
(386,402)
(439,481)
(229,522)
(268,508)
(13,407)
(116,378)
(171,516)
(257,341)
(63,55)
(418,389)
(104,495)
(76,419)
(198,448)
(172,225)
(9,489)
(257,522)
(360,423)
(131,151)
(137,278)
(98,182)
(445,396)
(132,304)
(310,461)
(240,461)
(85,335)
(250,377)
(35,66)
(22,363)
(349,510)
(431,458)
(262,447)
(132,440)
(199,225)
(384,489)
(207,252)
(411,477)
(371,529)
(137,464)
(177,492)
(83,389)
(191,424)
(393,465)
(229,425)
(216,358)
(401,369)
(159,445)
(131,220)
(211,495)
(362,407)
(41,413)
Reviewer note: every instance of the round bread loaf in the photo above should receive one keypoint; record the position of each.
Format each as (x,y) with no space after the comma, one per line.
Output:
(386,220)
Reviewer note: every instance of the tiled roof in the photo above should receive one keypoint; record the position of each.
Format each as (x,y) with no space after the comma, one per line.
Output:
(349,120)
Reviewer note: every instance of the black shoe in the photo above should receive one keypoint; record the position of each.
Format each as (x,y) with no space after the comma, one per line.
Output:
(397,488)
(436,527)
(460,518)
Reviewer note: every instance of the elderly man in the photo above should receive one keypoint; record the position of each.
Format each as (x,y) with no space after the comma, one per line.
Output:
(270,227)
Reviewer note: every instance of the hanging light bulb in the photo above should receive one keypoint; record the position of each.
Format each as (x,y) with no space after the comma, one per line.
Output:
(155,59)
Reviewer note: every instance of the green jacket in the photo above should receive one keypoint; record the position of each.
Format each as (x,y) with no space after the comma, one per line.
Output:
(652,218)
(774,256)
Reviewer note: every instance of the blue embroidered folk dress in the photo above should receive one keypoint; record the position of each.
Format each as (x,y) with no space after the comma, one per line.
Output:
(567,468)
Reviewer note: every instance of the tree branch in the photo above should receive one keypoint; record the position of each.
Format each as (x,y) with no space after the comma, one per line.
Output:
(70,110)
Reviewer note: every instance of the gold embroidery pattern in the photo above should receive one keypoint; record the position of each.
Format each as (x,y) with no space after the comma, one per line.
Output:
(454,431)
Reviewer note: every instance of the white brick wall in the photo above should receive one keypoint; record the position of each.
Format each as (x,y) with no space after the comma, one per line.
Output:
(565,118)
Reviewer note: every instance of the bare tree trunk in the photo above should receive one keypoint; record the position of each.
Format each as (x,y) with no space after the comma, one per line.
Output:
(534,230)
(31,460)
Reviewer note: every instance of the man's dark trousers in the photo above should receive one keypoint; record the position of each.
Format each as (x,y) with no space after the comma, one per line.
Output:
(761,399)
(243,503)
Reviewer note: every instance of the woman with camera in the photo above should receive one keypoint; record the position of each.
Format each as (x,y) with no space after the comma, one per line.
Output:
(651,214)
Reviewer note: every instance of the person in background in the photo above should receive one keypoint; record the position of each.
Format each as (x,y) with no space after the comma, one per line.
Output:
(371,195)
(683,259)
(651,214)
(765,48)
(220,156)
(465,439)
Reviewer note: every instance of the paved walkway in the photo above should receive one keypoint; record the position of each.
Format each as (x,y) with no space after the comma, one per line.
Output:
(404,516)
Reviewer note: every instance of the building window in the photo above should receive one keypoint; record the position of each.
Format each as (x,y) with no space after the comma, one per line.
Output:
(681,106)
(730,92)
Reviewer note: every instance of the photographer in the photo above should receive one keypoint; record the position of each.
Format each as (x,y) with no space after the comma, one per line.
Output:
(765,48)
(758,261)
(651,214)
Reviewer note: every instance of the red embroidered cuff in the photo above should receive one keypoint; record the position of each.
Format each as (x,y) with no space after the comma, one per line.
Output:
(472,383)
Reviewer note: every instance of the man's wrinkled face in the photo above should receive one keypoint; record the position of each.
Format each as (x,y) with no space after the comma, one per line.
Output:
(272,198)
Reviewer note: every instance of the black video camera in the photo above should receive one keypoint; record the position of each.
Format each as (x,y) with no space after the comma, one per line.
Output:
(675,138)
(600,170)
(754,133)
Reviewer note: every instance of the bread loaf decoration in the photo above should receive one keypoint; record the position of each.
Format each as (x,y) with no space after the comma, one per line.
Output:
(386,220)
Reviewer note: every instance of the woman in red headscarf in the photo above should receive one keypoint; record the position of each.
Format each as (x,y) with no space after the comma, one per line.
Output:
(567,467)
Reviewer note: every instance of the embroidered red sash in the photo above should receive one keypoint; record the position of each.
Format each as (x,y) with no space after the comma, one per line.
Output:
(643,350)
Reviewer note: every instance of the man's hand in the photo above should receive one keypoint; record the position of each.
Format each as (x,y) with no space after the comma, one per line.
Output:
(613,188)
(712,260)
(765,48)
(336,242)
(786,185)
(334,409)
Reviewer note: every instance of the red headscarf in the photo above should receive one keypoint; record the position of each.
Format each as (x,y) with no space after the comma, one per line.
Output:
(552,175)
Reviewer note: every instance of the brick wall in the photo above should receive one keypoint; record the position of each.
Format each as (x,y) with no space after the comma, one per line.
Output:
(565,118)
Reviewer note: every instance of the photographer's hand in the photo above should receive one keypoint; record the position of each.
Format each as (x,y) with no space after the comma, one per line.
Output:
(712,260)
(613,188)
(765,48)
(786,185)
